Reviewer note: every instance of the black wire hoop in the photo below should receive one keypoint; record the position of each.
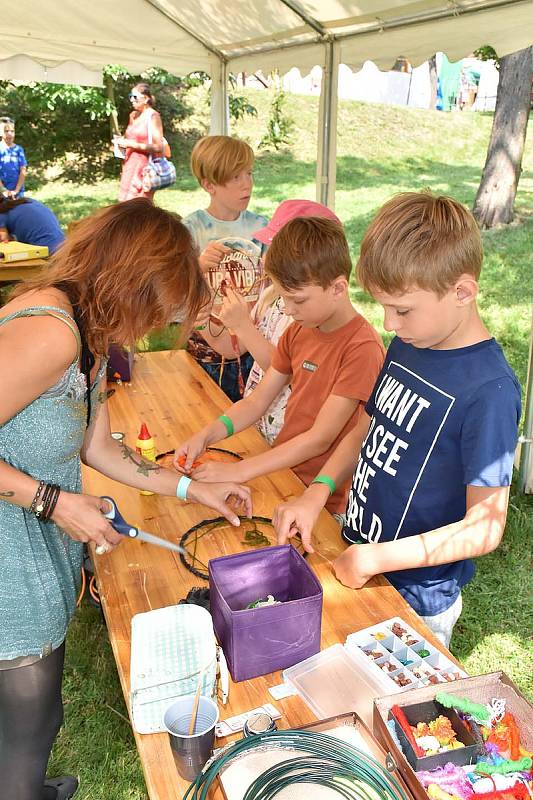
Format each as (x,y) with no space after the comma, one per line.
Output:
(210,525)
(236,456)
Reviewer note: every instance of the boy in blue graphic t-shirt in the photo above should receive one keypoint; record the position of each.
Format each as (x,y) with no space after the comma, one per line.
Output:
(435,448)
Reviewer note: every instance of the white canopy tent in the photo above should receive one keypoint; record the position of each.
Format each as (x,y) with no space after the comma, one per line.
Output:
(70,42)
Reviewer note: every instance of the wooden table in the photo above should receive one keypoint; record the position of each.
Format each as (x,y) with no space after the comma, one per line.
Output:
(21,270)
(175,397)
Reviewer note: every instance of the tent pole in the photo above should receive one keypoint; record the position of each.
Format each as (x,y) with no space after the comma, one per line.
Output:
(527,438)
(219,97)
(327,127)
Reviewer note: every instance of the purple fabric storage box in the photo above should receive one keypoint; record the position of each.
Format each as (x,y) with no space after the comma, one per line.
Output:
(257,641)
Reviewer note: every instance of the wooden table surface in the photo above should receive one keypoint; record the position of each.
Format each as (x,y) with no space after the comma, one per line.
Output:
(20,270)
(175,397)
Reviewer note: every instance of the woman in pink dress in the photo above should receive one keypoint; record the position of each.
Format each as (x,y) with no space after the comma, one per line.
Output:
(143,137)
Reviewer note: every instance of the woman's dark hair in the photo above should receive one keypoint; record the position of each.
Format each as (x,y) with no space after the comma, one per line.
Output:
(6,205)
(145,90)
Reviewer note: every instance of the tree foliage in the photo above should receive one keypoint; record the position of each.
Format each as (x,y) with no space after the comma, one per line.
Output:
(68,126)
(279,125)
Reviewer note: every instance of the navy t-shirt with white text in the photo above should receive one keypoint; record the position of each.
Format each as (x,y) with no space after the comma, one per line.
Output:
(440,420)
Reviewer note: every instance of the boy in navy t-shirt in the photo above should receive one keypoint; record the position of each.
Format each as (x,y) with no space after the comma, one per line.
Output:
(436,445)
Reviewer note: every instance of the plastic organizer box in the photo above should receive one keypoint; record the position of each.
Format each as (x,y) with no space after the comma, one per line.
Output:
(394,651)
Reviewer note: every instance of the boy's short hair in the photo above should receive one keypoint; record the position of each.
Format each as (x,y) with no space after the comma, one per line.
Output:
(219,158)
(308,250)
(419,239)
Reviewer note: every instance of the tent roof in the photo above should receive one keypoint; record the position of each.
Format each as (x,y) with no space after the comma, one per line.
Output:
(184,35)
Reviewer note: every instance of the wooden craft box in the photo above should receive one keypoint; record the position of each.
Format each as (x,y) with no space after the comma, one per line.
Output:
(479,689)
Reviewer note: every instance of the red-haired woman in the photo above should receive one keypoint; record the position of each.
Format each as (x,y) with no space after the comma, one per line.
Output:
(143,137)
(104,285)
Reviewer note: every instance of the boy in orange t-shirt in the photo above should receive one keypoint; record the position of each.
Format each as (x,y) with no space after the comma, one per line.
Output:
(330,355)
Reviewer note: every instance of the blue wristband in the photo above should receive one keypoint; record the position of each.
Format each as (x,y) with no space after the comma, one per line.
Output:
(181,488)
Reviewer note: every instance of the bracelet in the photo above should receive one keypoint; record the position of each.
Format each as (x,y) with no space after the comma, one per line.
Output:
(228,424)
(182,486)
(44,508)
(35,500)
(53,503)
(327,481)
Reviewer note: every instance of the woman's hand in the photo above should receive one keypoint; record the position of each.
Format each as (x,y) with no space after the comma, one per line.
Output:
(123,142)
(218,496)
(234,311)
(81,516)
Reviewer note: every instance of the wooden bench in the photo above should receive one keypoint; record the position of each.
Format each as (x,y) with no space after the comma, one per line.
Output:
(20,270)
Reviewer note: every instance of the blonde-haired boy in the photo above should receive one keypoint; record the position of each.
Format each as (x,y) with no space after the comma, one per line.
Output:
(223,167)
(436,444)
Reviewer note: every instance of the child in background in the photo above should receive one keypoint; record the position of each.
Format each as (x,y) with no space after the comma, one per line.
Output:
(3,121)
(330,355)
(223,167)
(260,330)
(12,164)
(436,444)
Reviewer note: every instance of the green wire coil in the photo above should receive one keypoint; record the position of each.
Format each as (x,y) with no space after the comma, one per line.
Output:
(329,762)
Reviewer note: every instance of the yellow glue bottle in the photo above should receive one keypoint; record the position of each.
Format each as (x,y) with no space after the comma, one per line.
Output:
(145,446)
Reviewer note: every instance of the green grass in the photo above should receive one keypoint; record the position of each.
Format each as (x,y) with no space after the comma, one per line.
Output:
(381,150)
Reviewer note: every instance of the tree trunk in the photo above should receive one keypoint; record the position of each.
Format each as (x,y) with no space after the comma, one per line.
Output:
(113,119)
(433,81)
(497,190)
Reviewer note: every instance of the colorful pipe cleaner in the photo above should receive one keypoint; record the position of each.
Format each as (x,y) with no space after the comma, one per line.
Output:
(401,719)
(476,710)
(522,765)
(450,778)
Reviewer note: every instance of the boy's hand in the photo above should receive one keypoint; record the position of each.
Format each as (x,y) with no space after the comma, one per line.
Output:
(355,566)
(186,454)
(223,497)
(211,256)
(218,471)
(300,515)
(234,311)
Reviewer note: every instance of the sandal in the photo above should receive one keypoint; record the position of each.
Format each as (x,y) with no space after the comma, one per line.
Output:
(61,788)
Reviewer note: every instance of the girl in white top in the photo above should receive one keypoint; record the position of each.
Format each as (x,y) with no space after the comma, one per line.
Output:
(260,330)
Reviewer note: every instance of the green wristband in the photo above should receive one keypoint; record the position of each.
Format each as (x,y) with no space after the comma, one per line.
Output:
(329,482)
(228,424)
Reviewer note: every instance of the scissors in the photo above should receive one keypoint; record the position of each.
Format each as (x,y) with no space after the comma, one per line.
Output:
(125,529)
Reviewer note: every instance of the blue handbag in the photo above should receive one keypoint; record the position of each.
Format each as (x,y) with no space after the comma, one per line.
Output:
(159,172)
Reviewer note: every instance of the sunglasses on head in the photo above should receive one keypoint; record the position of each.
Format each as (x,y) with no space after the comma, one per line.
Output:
(134,96)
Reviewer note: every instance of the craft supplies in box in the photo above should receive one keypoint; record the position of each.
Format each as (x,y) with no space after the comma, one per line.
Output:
(431,736)
(172,649)
(399,653)
(257,641)
(500,721)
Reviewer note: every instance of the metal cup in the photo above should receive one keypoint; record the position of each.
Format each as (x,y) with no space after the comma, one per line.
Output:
(191,752)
